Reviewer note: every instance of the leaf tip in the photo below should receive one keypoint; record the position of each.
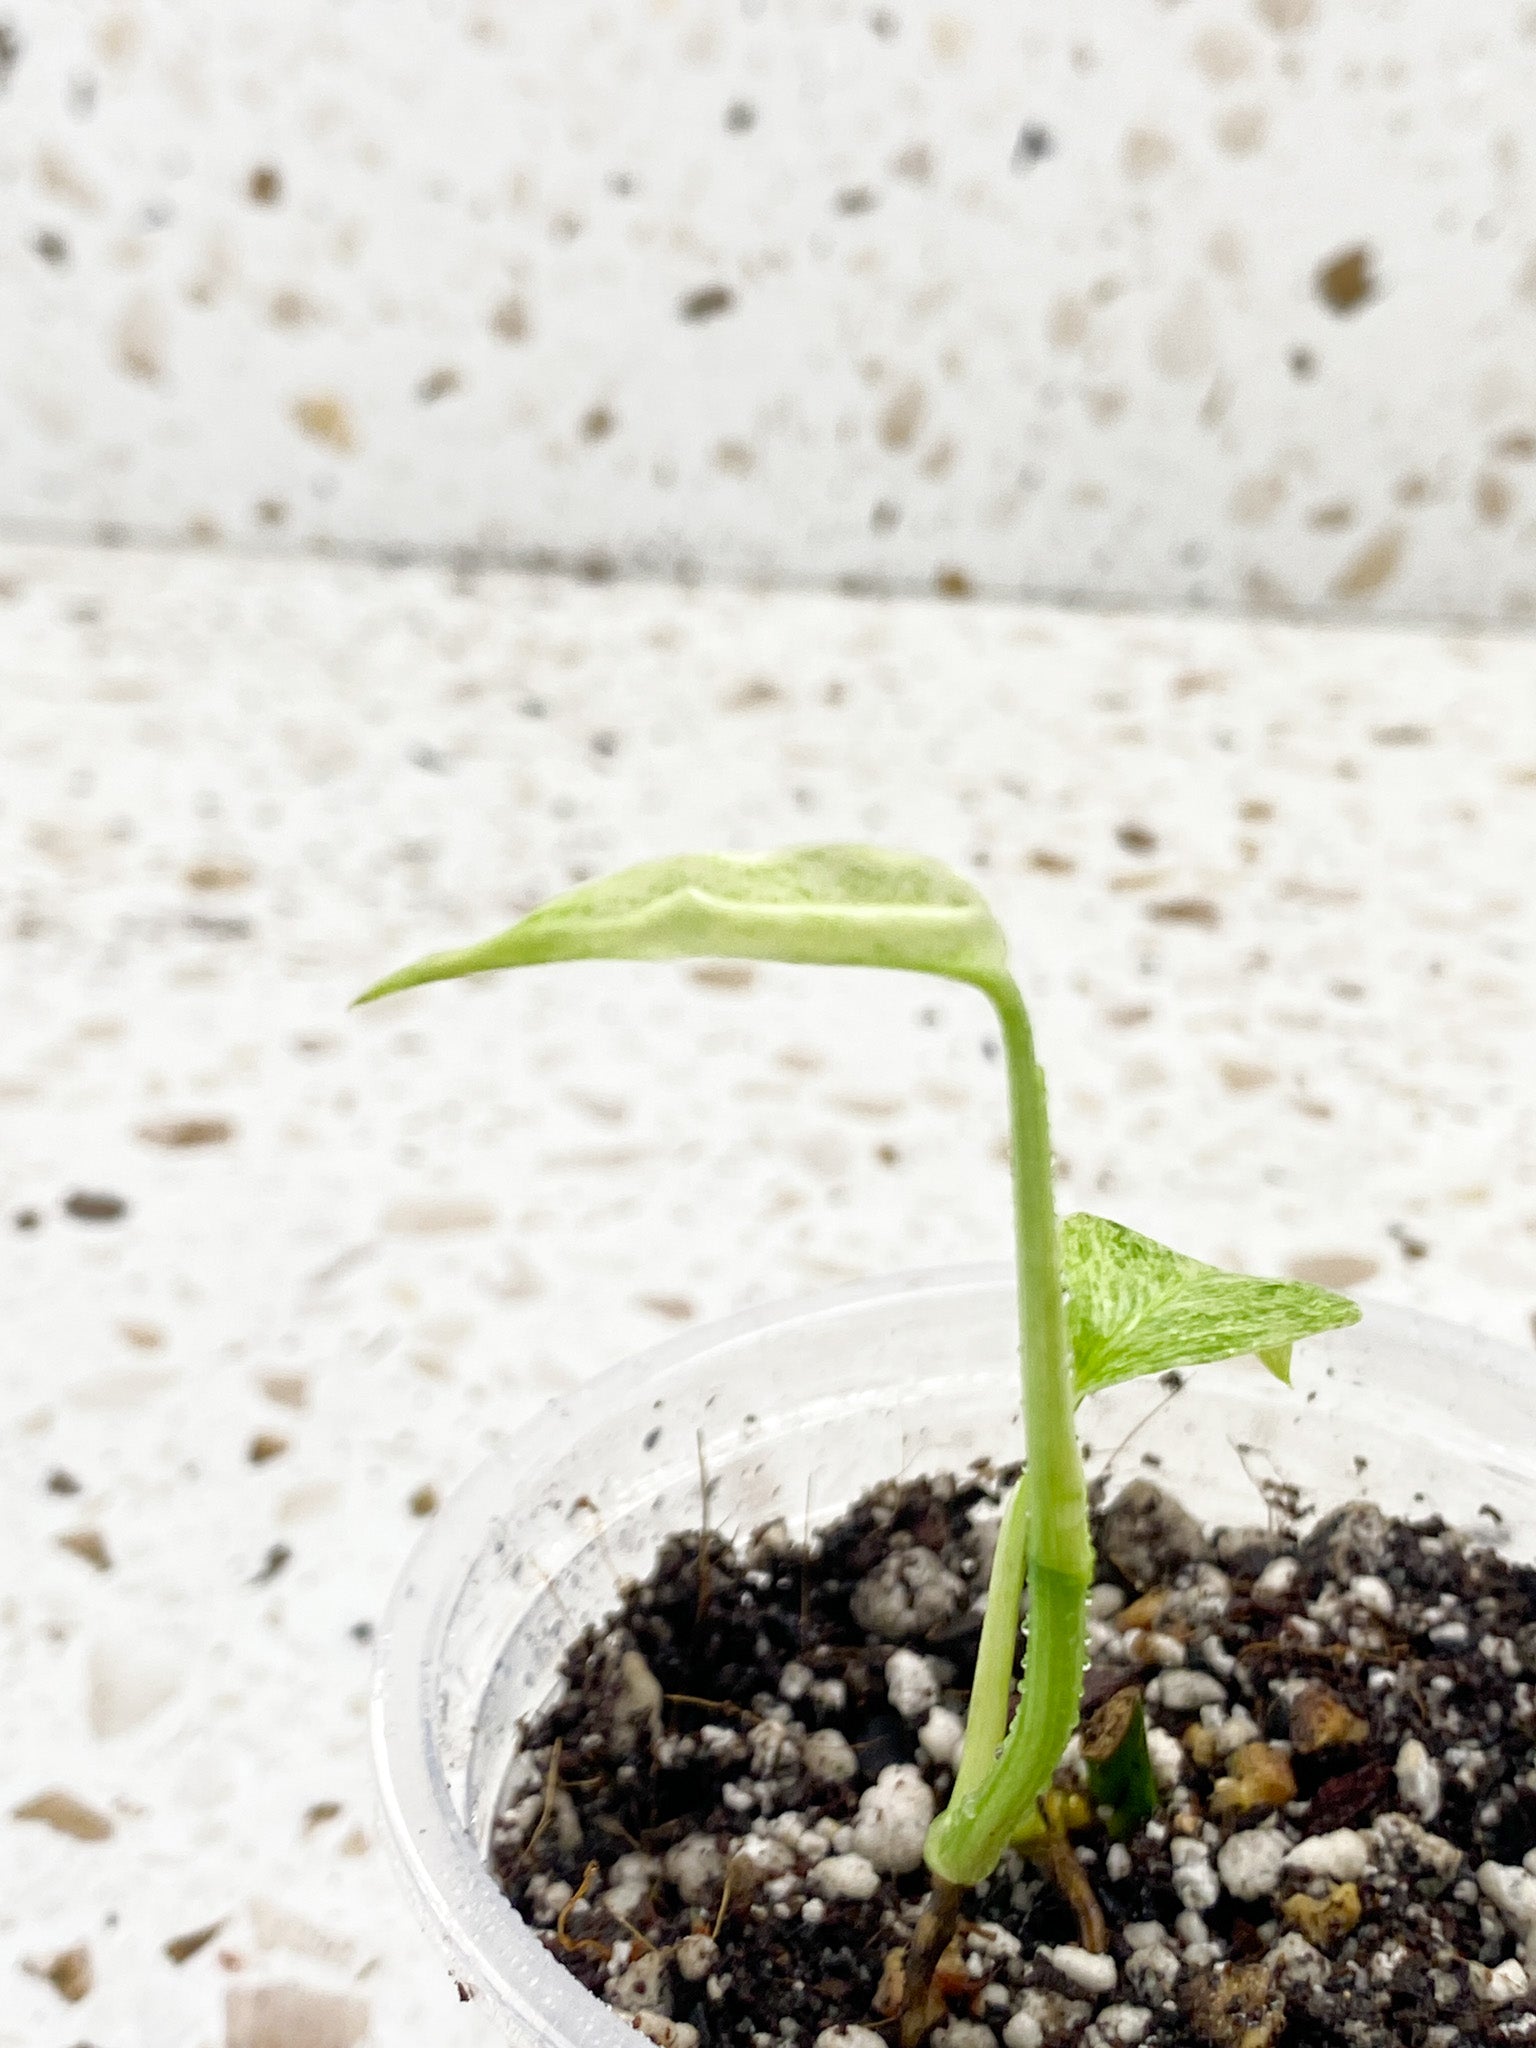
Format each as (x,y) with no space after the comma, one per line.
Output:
(1276,1358)
(389,986)
(435,967)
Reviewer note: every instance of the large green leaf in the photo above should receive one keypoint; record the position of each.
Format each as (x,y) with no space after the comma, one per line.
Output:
(1134,1307)
(857,906)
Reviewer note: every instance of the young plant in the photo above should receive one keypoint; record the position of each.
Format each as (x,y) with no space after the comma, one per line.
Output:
(1098,1304)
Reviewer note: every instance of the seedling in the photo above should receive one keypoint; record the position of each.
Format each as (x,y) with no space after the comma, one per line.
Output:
(1098,1304)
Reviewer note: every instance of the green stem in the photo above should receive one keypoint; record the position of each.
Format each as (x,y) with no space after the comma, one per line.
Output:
(967,1839)
(987,1722)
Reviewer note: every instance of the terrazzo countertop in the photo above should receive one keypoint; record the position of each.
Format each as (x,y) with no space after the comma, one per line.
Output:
(276,1276)
(1231,302)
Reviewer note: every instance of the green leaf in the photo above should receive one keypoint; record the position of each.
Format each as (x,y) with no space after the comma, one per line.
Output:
(1135,1307)
(856,906)
(1120,1774)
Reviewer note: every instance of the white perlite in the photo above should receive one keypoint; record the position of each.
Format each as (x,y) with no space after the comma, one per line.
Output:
(1200,1602)
(942,1737)
(695,1956)
(1276,1579)
(894,1818)
(1511,1892)
(1152,1973)
(768,1857)
(696,1866)
(1194,1880)
(1418,1779)
(1500,1986)
(1022,2031)
(1342,1856)
(1123,2026)
(628,1883)
(964,2034)
(829,1757)
(795,1681)
(1402,1845)
(643,1986)
(909,1593)
(1296,1962)
(1141,1934)
(1166,1754)
(1052,2015)
(1093,1974)
(995,1943)
(910,1684)
(846,1877)
(775,1749)
(1373,1594)
(1250,1863)
(666,2033)
(1230,1731)
(849,2037)
(1183,1692)
(548,1896)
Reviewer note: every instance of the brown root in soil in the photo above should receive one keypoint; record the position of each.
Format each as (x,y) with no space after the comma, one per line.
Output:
(1071,1880)
(922,2007)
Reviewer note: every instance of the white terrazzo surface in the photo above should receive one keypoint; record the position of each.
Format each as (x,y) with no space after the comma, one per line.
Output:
(1228,302)
(1297,1028)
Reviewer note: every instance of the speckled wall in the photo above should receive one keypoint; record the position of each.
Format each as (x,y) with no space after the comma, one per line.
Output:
(1228,301)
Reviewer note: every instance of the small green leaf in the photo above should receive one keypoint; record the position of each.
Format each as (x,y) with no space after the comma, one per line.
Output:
(1135,1307)
(856,906)
(1120,1774)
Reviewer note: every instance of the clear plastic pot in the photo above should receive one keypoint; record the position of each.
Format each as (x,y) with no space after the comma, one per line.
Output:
(802,1407)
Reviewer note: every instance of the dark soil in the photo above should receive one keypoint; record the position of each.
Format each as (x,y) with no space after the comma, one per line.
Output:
(1343,1719)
